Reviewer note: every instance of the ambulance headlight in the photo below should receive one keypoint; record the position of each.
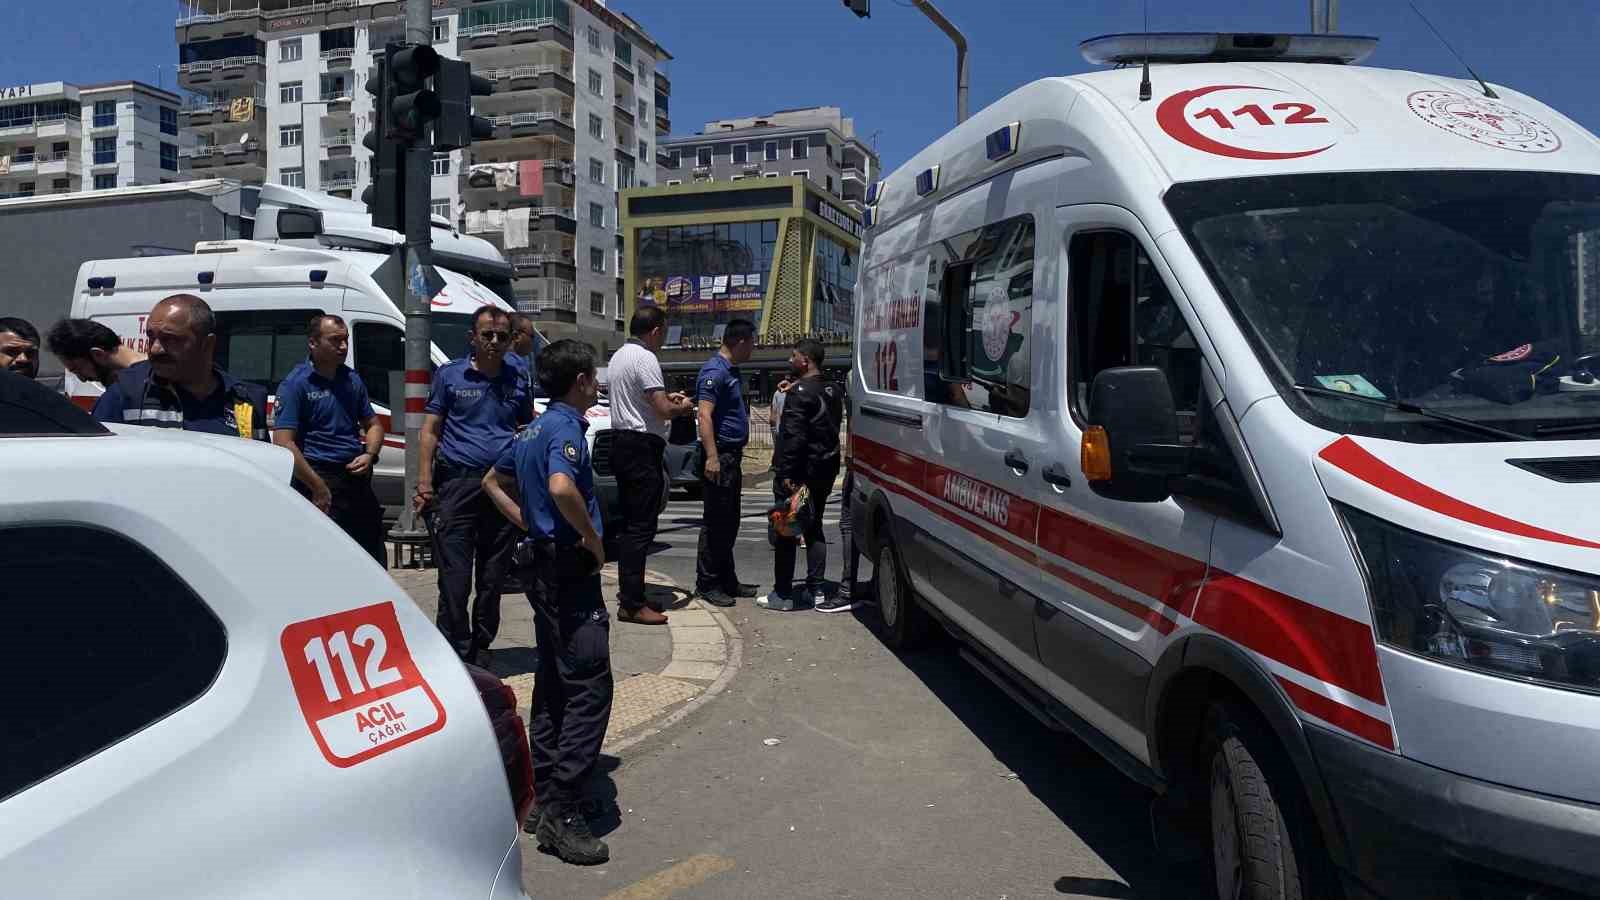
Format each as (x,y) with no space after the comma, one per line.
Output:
(1478,610)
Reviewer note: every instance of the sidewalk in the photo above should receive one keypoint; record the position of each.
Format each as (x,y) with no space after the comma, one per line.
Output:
(658,671)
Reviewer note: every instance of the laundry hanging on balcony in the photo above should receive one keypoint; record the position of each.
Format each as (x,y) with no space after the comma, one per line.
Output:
(531,175)
(477,222)
(516,230)
(500,176)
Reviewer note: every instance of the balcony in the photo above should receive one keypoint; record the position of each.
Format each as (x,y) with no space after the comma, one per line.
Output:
(59,125)
(234,68)
(851,173)
(622,72)
(479,180)
(196,12)
(529,78)
(338,181)
(623,113)
(555,123)
(66,162)
(516,31)
(663,123)
(339,143)
(344,56)
(531,261)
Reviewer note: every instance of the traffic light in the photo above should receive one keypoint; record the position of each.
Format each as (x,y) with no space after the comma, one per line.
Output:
(456,86)
(862,8)
(412,105)
(385,196)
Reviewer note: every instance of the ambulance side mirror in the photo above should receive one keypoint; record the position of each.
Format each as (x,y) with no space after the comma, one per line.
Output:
(1131,407)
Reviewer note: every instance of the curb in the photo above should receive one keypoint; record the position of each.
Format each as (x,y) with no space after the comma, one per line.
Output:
(733,661)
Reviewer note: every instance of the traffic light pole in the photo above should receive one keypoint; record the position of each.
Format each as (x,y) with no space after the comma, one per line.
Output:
(960,40)
(417,255)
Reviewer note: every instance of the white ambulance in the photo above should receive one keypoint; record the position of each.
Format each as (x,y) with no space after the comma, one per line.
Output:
(1238,408)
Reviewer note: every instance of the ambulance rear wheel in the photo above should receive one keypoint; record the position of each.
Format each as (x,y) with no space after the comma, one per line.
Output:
(1262,844)
(905,624)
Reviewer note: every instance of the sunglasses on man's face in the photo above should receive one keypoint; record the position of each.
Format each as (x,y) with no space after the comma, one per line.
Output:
(494,335)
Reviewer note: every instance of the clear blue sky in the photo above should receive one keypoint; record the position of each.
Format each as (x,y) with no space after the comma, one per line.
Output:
(894,72)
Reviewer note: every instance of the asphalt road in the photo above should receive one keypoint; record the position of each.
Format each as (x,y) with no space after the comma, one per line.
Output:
(892,776)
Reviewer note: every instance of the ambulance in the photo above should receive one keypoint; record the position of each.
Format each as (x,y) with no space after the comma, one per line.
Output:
(311,253)
(1237,408)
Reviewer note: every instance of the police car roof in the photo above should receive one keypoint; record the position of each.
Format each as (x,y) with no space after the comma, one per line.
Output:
(29,409)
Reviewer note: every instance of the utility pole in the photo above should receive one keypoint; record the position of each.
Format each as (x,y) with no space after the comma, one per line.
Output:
(863,9)
(417,257)
(1324,16)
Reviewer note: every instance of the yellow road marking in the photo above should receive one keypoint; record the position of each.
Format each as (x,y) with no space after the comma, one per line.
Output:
(687,874)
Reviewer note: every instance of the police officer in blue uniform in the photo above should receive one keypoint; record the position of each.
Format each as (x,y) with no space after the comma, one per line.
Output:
(544,484)
(325,419)
(180,385)
(471,416)
(724,425)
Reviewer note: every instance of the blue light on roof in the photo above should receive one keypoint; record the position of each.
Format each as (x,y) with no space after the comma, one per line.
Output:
(1002,142)
(927,181)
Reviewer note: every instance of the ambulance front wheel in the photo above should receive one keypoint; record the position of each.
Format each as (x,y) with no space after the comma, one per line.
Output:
(905,624)
(1262,847)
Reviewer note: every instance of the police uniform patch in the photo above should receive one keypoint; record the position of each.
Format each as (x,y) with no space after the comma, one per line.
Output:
(711,383)
(571,452)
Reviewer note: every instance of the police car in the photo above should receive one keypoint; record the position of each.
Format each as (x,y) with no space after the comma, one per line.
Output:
(1239,408)
(210,693)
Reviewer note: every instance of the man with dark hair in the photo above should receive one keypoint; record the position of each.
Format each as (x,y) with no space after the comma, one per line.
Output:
(640,410)
(90,350)
(472,414)
(19,346)
(525,346)
(543,484)
(325,419)
(724,423)
(809,459)
(180,384)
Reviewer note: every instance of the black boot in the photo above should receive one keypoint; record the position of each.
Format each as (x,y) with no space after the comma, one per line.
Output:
(565,831)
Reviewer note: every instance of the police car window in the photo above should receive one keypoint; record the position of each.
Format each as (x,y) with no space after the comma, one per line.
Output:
(987,313)
(131,616)
(1123,315)
(262,346)
(380,357)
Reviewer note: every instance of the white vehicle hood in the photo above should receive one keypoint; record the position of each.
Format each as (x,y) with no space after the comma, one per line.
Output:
(1470,494)
(275,461)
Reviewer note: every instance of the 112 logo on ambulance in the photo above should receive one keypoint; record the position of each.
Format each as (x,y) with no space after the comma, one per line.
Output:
(358,688)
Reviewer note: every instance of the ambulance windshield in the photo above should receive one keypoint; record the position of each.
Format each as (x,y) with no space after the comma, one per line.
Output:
(1474,294)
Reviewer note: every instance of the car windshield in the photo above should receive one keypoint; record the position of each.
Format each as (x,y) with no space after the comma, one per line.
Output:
(1472,294)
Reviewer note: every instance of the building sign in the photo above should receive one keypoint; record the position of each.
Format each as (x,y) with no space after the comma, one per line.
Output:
(833,215)
(15,93)
(291,22)
(706,294)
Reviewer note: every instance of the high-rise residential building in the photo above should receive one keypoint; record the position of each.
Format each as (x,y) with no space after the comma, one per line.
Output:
(818,143)
(57,138)
(581,96)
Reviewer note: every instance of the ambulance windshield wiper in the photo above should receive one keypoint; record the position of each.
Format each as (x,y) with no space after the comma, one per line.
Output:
(1414,409)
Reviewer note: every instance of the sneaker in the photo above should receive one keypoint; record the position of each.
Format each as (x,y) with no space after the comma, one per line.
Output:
(790,602)
(839,602)
(565,832)
(534,820)
(743,589)
(717,598)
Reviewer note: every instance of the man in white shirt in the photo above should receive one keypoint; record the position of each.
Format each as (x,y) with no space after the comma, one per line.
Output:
(640,410)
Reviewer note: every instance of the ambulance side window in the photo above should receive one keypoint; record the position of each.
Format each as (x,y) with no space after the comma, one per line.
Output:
(380,351)
(986,318)
(263,346)
(1123,315)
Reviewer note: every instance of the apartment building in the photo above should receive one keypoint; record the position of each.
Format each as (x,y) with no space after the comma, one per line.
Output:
(57,138)
(817,143)
(581,96)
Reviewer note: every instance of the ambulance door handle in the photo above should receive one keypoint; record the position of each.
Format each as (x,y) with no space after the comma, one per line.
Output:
(1056,476)
(1017,462)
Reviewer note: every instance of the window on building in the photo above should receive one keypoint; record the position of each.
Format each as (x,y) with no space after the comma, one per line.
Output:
(770,174)
(441,164)
(164,643)
(441,30)
(597,303)
(105,182)
(169,120)
(987,278)
(702,156)
(289,50)
(803,173)
(60,185)
(105,151)
(827,182)
(644,112)
(25,188)
(289,92)
(798,148)
(594,39)
(24,155)
(672,182)
(105,113)
(440,209)
(644,151)
(737,177)
(289,135)
(597,171)
(741,154)
(597,127)
(624,51)
(295,177)
(597,259)
(597,215)
(597,83)
(686,256)
(169,156)
(674,159)
(770,151)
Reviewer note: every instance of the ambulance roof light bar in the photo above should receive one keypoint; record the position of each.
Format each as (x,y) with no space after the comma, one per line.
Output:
(1174,47)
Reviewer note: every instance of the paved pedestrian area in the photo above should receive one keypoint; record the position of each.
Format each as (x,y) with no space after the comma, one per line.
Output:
(660,671)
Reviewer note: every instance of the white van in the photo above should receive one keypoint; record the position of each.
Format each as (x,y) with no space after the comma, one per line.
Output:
(1193,399)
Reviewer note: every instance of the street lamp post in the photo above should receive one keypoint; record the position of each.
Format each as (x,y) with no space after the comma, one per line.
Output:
(303,105)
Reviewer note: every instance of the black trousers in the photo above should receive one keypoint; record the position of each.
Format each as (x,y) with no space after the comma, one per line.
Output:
(355,507)
(816,543)
(636,459)
(472,545)
(847,539)
(573,688)
(719,522)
